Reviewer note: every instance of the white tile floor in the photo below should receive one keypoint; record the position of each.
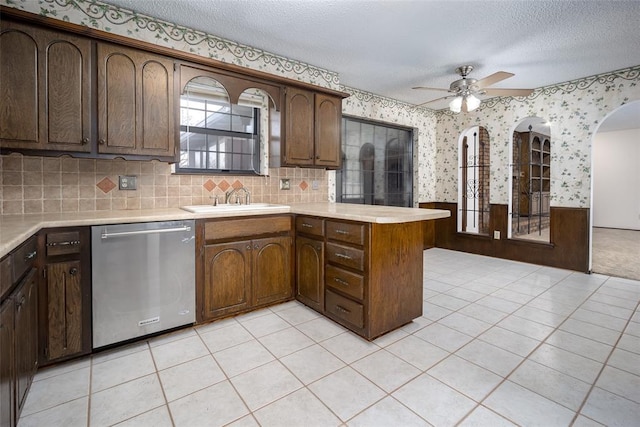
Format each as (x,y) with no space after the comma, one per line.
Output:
(500,343)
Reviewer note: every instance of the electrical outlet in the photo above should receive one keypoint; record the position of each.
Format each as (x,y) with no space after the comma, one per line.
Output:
(285,184)
(496,234)
(127,182)
(315,185)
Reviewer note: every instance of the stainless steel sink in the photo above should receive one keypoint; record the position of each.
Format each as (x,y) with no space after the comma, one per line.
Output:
(235,208)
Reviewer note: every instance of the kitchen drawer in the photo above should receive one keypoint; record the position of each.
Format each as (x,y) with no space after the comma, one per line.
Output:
(23,258)
(5,275)
(309,225)
(345,255)
(346,232)
(345,309)
(247,227)
(63,243)
(344,281)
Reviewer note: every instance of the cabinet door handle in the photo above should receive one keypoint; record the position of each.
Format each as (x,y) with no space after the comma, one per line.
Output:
(67,243)
(101,141)
(256,246)
(304,224)
(30,255)
(340,281)
(73,271)
(20,303)
(248,247)
(343,256)
(85,141)
(342,309)
(342,231)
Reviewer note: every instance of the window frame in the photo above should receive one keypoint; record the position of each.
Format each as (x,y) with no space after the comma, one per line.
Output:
(408,154)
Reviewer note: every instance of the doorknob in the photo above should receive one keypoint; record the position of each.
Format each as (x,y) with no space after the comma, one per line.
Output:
(73,271)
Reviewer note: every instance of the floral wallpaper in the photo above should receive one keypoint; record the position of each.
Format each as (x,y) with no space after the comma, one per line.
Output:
(574,109)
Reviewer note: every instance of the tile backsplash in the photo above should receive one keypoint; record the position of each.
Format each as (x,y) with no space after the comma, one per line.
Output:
(30,184)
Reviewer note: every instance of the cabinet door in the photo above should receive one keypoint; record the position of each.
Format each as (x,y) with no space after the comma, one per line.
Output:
(299,134)
(271,259)
(46,89)
(7,379)
(64,321)
(310,272)
(227,278)
(135,102)
(328,121)
(26,333)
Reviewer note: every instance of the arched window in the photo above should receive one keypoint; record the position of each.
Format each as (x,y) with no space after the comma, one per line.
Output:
(216,135)
(531,180)
(474,181)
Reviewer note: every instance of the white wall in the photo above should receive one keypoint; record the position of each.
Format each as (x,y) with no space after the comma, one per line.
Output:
(616,179)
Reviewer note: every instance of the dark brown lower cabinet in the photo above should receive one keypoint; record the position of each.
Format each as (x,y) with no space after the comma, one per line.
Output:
(310,272)
(244,264)
(64,309)
(65,293)
(365,276)
(7,365)
(25,300)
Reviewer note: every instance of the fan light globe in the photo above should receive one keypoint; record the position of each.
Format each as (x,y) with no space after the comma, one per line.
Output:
(472,102)
(456,104)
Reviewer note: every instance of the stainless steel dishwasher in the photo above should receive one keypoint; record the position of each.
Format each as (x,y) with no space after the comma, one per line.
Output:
(143,279)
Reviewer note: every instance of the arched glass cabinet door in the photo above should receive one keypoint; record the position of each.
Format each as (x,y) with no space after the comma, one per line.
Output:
(531,180)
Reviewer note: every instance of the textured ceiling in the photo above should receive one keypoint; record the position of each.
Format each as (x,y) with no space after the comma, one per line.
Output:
(388,46)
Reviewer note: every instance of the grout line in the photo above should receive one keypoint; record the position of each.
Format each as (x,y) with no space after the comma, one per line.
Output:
(604,365)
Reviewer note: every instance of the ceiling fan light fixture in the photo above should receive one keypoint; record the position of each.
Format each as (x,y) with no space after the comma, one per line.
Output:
(456,104)
(472,102)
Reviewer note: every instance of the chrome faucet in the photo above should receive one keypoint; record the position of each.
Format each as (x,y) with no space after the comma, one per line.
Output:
(247,196)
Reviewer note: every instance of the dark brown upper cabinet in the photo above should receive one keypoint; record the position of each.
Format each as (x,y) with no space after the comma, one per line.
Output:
(136,106)
(310,131)
(45,90)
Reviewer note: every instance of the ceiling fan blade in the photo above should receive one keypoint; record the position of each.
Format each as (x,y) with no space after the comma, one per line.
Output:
(508,92)
(493,78)
(430,88)
(434,100)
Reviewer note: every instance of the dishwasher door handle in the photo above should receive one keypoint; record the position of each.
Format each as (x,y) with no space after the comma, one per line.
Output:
(106,235)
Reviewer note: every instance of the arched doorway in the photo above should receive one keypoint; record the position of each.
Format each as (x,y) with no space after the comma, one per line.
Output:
(615,194)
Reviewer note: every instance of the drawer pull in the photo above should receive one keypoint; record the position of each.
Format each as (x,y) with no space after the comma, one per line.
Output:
(340,281)
(73,271)
(342,232)
(304,224)
(30,255)
(343,256)
(67,243)
(341,309)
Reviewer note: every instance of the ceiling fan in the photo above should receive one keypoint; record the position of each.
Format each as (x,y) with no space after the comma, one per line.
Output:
(464,90)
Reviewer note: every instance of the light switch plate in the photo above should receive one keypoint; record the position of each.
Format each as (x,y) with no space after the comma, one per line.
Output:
(285,184)
(127,182)
(496,234)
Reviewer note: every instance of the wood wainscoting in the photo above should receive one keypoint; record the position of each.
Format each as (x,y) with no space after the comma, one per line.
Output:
(569,235)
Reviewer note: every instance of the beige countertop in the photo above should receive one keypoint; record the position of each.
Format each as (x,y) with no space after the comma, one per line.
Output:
(15,229)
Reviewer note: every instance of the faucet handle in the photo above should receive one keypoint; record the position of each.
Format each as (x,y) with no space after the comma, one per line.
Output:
(215,199)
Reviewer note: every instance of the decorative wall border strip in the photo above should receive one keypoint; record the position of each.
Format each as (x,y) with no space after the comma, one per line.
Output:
(385,102)
(97,13)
